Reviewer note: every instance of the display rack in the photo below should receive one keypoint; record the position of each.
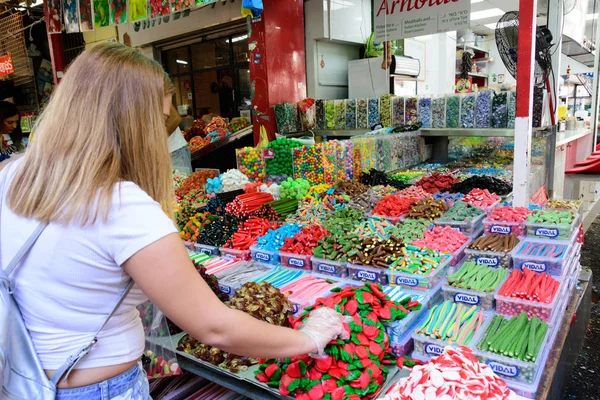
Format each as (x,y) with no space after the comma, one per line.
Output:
(222,142)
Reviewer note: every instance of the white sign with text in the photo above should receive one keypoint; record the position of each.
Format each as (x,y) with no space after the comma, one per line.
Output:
(398,19)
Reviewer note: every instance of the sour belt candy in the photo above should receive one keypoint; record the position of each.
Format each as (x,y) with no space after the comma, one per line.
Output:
(451,322)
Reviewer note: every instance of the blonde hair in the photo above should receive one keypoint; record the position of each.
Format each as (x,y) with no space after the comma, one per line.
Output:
(104,125)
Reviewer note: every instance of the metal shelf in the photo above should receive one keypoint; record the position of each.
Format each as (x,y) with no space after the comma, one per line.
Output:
(577,52)
(474,74)
(468,46)
(220,143)
(431,132)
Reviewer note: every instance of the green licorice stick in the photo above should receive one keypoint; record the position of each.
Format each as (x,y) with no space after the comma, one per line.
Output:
(520,352)
(521,321)
(483,343)
(534,327)
(506,336)
(472,271)
(493,337)
(487,281)
(460,273)
(514,345)
(495,279)
(540,339)
(429,316)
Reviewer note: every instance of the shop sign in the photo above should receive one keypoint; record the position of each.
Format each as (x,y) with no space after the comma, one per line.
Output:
(398,19)
(6,65)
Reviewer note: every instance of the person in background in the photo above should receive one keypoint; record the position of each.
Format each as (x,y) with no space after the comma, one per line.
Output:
(99,174)
(10,127)
(181,158)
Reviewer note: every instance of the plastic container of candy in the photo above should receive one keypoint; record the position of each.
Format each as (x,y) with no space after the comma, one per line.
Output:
(328,267)
(459,253)
(392,220)
(484,300)
(264,256)
(488,209)
(553,265)
(513,370)
(494,259)
(552,231)
(229,288)
(296,261)
(504,227)
(397,330)
(245,255)
(468,228)
(362,273)
(418,281)
(404,343)
(206,249)
(510,306)
(529,390)
(429,347)
(575,206)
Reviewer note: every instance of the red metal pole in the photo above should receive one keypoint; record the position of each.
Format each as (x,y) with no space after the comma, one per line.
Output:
(57,52)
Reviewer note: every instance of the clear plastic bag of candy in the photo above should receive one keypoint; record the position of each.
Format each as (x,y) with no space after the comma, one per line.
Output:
(438,111)
(385,110)
(320,114)
(467,110)
(483,109)
(159,359)
(351,114)
(411,108)
(512,109)
(362,114)
(306,110)
(397,111)
(424,115)
(286,116)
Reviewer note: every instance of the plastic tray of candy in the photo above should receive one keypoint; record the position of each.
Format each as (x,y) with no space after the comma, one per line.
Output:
(517,371)
(295,261)
(363,273)
(404,343)
(494,259)
(459,253)
(552,265)
(483,300)
(511,306)
(206,249)
(529,390)
(229,288)
(504,227)
(245,255)
(552,231)
(264,256)
(418,281)
(488,209)
(468,228)
(328,267)
(429,347)
(300,305)
(577,207)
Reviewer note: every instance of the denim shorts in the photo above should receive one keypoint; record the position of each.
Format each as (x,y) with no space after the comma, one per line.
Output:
(130,385)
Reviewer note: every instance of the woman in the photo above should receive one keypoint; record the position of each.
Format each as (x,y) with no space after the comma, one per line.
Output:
(99,174)
(181,158)
(10,127)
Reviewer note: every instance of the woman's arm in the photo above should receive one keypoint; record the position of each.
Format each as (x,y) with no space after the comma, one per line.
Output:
(165,273)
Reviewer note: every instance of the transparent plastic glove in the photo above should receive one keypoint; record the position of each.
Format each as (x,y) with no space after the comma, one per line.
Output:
(323,325)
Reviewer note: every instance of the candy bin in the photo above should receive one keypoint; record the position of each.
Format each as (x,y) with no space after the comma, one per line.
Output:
(420,269)
(385,110)
(334,162)
(306,109)
(554,225)
(467,110)
(362,113)
(542,256)
(308,163)
(493,250)
(474,285)
(340,114)
(512,109)
(349,159)
(373,112)
(452,111)
(286,115)
(251,163)
(438,112)
(397,111)
(329,114)
(279,162)
(424,115)
(500,110)
(351,114)
(320,114)
(411,110)
(483,109)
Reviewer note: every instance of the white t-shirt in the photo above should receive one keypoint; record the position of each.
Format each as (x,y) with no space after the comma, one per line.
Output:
(176,140)
(72,277)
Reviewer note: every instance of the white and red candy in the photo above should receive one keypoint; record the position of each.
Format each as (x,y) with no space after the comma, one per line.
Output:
(456,374)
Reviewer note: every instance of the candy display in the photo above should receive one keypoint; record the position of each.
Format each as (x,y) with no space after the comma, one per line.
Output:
(438,112)
(481,198)
(424,114)
(197,143)
(294,189)
(344,219)
(414,192)
(385,110)
(452,111)
(329,115)
(547,224)
(362,113)
(411,110)
(251,163)
(479,278)
(563,205)
(286,115)
(248,232)
(507,220)
(218,232)
(411,229)
(279,277)
(437,182)
(500,110)
(483,109)
(492,249)
(191,230)
(490,183)
(461,212)
(375,226)
(352,188)
(196,180)
(518,337)
(367,350)
(397,111)
(377,252)
(304,241)
(281,163)
(320,114)
(428,208)
(365,202)
(383,190)
(442,238)
(336,246)
(305,290)
(467,110)
(455,375)
(274,239)
(373,112)
(340,114)
(393,206)
(245,204)
(454,323)
(351,114)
